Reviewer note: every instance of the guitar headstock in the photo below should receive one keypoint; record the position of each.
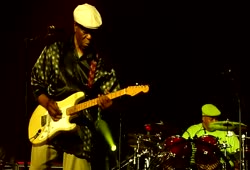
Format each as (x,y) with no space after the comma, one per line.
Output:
(133,90)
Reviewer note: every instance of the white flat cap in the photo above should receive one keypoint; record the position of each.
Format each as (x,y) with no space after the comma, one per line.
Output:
(87,16)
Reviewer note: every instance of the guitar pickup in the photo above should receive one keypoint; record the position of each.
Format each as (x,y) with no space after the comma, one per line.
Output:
(43,120)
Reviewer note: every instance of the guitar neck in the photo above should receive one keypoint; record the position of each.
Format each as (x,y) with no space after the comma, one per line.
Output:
(93,102)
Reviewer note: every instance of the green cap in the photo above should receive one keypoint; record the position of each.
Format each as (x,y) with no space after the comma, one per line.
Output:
(210,110)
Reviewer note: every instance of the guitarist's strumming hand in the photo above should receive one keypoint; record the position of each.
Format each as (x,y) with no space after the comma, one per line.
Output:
(54,110)
(51,106)
(104,102)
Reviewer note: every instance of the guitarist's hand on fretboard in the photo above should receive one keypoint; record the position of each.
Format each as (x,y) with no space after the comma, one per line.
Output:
(104,101)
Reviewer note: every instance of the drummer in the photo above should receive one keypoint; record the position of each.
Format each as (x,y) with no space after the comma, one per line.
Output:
(226,139)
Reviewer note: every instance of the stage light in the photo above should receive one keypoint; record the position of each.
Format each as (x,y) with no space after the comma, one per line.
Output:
(102,126)
(113,148)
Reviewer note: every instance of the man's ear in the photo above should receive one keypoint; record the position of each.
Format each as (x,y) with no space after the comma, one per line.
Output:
(75,25)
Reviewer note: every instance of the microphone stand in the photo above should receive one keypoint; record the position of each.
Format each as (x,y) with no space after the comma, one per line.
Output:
(235,83)
(236,89)
(242,143)
(26,117)
(120,141)
(236,86)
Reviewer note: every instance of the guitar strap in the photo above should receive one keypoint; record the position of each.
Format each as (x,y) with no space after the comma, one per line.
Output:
(92,71)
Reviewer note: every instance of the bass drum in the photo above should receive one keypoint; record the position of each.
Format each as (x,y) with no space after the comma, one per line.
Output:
(175,153)
(207,154)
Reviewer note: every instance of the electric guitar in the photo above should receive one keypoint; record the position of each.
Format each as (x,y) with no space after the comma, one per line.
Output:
(42,128)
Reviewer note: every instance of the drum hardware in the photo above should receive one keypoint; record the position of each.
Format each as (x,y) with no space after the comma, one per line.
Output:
(161,129)
(144,146)
(142,141)
(224,147)
(243,151)
(134,159)
(137,161)
(244,148)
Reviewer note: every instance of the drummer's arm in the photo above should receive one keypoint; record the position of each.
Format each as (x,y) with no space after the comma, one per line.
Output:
(188,133)
(185,135)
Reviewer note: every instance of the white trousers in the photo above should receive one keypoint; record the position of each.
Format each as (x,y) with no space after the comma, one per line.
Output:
(43,156)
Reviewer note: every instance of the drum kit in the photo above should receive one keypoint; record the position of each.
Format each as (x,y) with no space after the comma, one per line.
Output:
(153,152)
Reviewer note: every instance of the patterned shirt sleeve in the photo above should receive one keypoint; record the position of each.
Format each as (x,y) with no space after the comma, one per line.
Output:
(41,73)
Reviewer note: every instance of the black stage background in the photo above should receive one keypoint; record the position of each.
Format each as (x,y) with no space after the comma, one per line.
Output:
(188,54)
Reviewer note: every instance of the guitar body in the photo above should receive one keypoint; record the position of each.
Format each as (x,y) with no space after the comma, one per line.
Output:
(42,127)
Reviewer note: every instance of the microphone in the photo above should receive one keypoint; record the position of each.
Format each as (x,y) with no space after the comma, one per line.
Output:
(52,30)
(229,73)
(52,27)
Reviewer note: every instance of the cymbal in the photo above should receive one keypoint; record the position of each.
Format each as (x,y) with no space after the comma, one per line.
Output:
(164,129)
(136,135)
(143,137)
(227,125)
(141,144)
(142,140)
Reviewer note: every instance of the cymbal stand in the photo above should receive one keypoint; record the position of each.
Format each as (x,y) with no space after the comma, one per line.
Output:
(148,159)
(136,159)
(246,149)
(137,155)
(124,163)
(224,147)
(132,159)
(243,148)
